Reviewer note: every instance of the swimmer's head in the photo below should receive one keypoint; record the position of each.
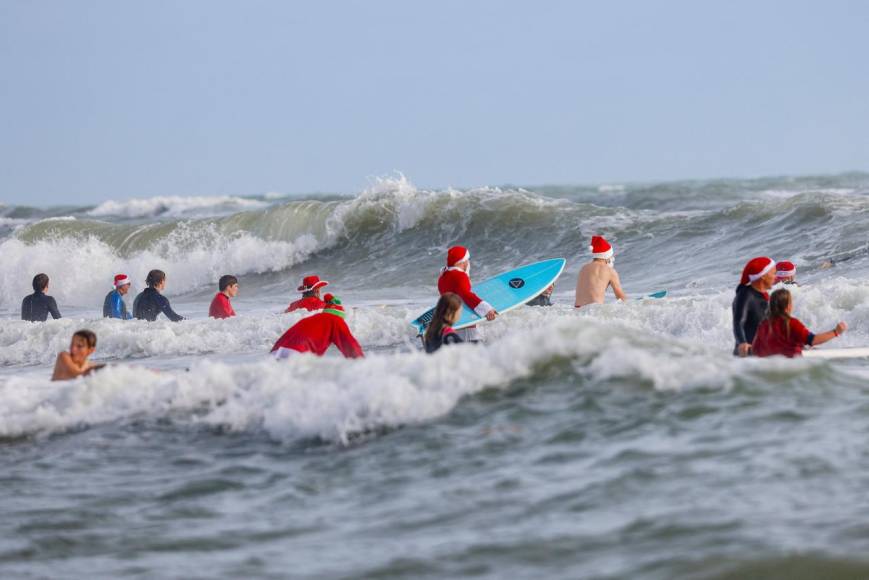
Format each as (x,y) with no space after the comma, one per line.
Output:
(83,344)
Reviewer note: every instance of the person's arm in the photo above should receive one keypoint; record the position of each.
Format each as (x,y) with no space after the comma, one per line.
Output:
(823,337)
(616,283)
(117,306)
(167,310)
(24,304)
(346,343)
(740,317)
(452,338)
(52,307)
(66,368)
(477,304)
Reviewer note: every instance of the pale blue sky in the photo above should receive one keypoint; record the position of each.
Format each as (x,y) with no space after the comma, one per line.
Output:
(112,99)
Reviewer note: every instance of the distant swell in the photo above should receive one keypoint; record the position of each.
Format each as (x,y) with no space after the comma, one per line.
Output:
(398,233)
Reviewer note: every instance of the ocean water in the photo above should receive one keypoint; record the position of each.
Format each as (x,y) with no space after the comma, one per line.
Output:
(616,441)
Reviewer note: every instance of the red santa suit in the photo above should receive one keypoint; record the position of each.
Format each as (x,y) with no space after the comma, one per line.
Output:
(317,333)
(221,307)
(310,303)
(456,280)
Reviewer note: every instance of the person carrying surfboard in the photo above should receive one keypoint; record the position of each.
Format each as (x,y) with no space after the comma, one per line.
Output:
(751,303)
(456,278)
(310,299)
(782,334)
(598,275)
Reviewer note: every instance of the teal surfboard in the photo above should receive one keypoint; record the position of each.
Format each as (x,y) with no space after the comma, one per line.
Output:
(505,291)
(659,294)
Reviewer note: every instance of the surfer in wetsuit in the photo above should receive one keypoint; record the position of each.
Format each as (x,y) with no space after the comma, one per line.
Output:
(150,302)
(37,306)
(598,275)
(545,298)
(456,278)
(439,331)
(310,299)
(114,305)
(318,332)
(751,303)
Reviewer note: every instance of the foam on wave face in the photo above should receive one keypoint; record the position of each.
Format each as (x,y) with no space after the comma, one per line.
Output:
(27,343)
(174,206)
(333,398)
(672,344)
(82,268)
(395,223)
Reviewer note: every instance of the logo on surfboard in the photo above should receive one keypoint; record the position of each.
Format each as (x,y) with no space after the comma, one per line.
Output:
(516,283)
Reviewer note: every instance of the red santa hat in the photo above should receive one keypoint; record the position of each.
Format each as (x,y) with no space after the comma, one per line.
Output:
(755,269)
(310,283)
(785,270)
(600,248)
(457,255)
(121,280)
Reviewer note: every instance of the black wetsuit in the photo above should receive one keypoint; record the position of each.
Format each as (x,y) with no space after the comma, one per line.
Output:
(38,306)
(150,303)
(542,300)
(448,336)
(750,307)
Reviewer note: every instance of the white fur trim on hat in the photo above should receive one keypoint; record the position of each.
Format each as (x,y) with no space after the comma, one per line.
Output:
(602,255)
(762,273)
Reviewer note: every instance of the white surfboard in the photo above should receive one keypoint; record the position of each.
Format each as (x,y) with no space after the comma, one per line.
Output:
(838,353)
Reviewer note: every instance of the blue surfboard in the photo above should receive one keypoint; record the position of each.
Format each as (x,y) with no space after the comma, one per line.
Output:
(505,291)
(658,294)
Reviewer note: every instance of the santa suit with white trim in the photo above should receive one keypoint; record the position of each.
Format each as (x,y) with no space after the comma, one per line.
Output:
(454,278)
(317,333)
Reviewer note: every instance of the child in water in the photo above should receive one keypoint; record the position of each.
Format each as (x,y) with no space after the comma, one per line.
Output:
(75,363)
(781,334)
(439,331)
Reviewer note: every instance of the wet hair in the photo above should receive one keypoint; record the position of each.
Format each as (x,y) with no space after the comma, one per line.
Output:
(447,304)
(89,336)
(226,281)
(778,308)
(155,277)
(40,282)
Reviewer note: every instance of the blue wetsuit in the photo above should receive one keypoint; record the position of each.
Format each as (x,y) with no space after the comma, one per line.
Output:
(149,304)
(115,307)
(38,306)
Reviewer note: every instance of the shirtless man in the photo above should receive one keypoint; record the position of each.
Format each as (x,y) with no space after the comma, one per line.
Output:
(75,363)
(599,274)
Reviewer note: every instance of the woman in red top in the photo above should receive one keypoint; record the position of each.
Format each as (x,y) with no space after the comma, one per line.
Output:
(781,334)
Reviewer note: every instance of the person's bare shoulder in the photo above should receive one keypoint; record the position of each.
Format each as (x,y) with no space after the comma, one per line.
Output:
(61,366)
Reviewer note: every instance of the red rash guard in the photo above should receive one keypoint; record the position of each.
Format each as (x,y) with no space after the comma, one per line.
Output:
(317,333)
(220,307)
(310,303)
(772,339)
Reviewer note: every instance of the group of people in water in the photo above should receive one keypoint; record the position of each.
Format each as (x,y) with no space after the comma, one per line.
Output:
(763,324)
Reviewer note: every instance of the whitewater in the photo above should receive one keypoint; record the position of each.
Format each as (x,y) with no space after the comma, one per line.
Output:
(615,441)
